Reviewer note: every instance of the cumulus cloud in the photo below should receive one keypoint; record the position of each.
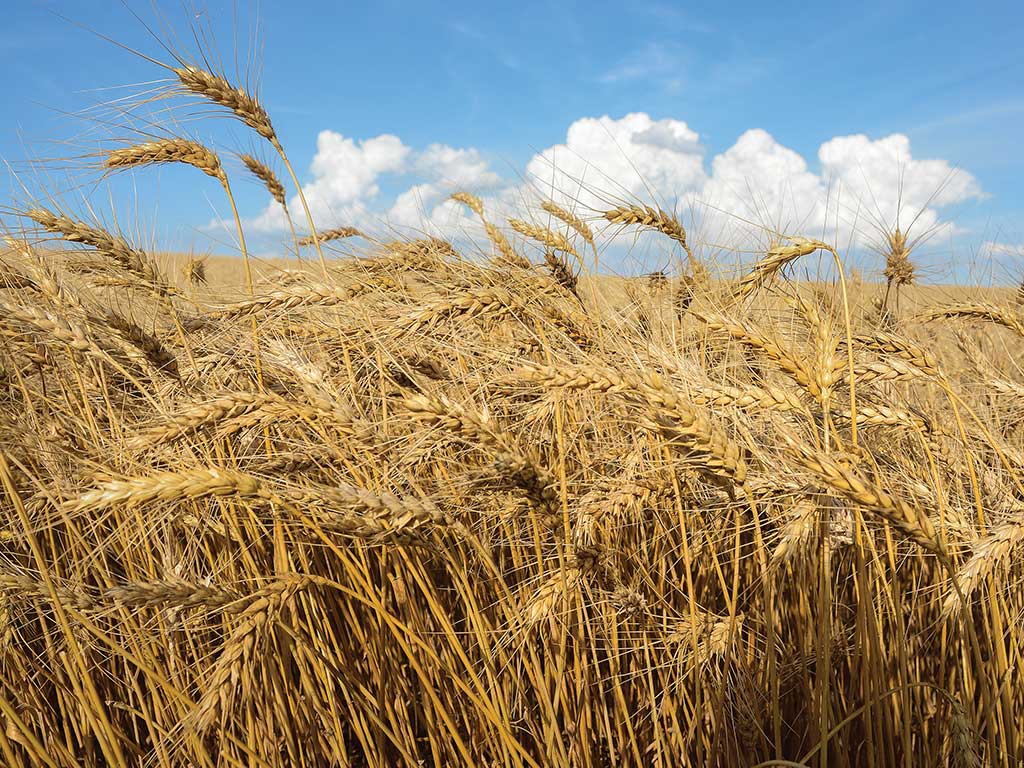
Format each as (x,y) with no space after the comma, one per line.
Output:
(448,169)
(603,158)
(760,181)
(756,184)
(1008,256)
(992,248)
(456,168)
(347,177)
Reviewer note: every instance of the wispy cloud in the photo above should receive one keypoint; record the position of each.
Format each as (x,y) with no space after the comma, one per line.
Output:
(483,40)
(678,19)
(655,61)
(1013,250)
(968,116)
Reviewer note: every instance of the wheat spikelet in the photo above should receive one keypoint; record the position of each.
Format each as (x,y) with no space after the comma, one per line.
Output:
(778,256)
(328,235)
(505,250)
(875,415)
(893,369)
(172,150)
(104,243)
(683,295)
(304,296)
(787,362)
(651,218)
(488,301)
(796,533)
(151,347)
(199,417)
(471,201)
(255,622)
(522,468)
(989,553)
(912,521)
(687,428)
(357,512)
(265,174)
(68,595)
(217,89)
(894,346)
(168,486)
(660,221)
(964,739)
(176,592)
(543,235)
(195,271)
(562,272)
(551,595)
(657,281)
(573,221)
(746,398)
(899,269)
(1005,387)
(60,328)
(988,312)
(715,635)
(242,410)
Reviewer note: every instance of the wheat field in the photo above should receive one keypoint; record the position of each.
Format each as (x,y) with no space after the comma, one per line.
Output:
(415,503)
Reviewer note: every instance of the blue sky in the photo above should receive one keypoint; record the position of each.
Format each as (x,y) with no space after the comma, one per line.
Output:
(474,93)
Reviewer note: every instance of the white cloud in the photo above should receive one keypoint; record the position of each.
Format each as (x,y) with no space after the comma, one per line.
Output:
(633,157)
(760,181)
(426,205)
(347,176)
(890,184)
(457,168)
(654,61)
(756,183)
(1011,249)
